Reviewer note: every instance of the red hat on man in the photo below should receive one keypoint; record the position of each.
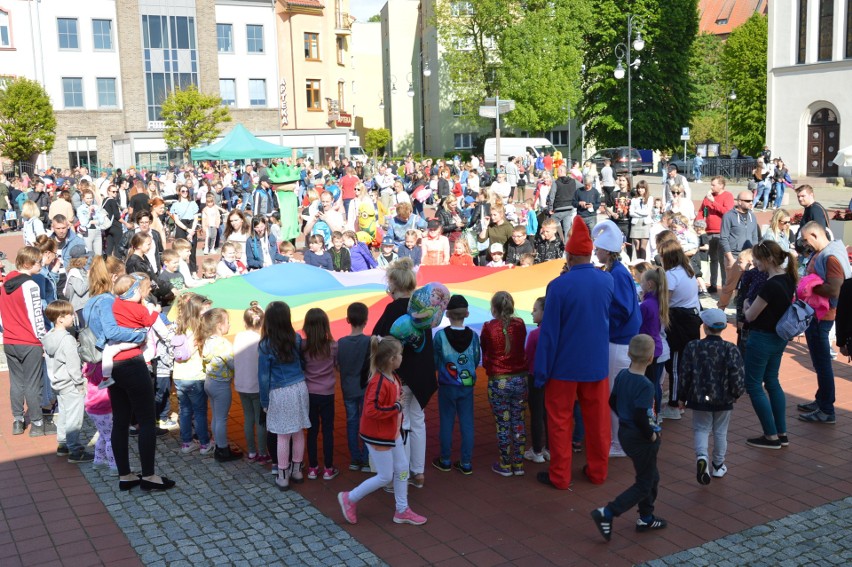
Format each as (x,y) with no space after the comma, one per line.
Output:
(580,242)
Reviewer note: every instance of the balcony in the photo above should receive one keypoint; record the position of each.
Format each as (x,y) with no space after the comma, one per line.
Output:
(343,23)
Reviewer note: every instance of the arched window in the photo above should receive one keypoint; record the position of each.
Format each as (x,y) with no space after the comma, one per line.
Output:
(848,29)
(826,29)
(5,29)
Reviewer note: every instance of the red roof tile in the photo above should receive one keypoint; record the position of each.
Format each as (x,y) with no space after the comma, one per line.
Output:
(304,3)
(720,17)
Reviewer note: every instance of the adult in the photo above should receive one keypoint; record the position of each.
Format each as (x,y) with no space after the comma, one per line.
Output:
(324,213)
(675,178)
(404,221)
(680,204)
(263,198)
(641,217)
(32,227)
(184,213)
(445,184)
(144,222)
(139,199)
(696,167)
(62,206)
(417,370)
(831,263)
(625,317)
(133,391)
(781,178)
(571,361)
(607,178)
(65,238)
(779,231)
(684,321)
(93,220)
(587,201)
(813,211)
(765,348)
(261,247)
(40,197)
(760,175)
(739,231)
(158,211)
(237,231)
(113,212)
(544,188)
(560,200)
(500,187)
(495,228)
(617,207)
(712,209)
(347,187)
(137,262)
(450,217)
(512,176)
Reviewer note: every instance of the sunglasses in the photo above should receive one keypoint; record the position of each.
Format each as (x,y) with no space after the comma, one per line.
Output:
(745,200)
(784,222)
(676,193)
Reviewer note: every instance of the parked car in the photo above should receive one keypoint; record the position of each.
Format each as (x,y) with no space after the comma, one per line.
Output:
(618,157)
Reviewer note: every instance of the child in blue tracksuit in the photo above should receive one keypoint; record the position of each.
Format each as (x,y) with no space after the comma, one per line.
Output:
(457,354)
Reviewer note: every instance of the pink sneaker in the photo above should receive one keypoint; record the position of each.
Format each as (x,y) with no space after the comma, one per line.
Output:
(348,508)
(313,473)
(409,517)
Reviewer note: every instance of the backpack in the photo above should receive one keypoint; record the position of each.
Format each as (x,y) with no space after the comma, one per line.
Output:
(87,348)
(795,320)
(181,348)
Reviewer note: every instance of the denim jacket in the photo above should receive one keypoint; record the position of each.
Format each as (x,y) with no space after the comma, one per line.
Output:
(99,317)
(272,373)
(254,254)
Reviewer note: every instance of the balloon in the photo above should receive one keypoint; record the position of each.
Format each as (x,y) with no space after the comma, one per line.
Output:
(405,330)
(427,305)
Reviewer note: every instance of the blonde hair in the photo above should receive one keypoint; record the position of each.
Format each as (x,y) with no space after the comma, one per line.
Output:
(190,306)
(29,210)
(400,275)
(208,326)
(181,244)
(657,276)
(641,348)
(382,350)
(27,257)
(125,282)
(253,316)
(287,247)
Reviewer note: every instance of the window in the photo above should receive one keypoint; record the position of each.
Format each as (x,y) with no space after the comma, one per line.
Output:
(557,137)
(102,33)
(255,38)
(83,151)
(803,31)
(182,32)
(312,47)
(341,49)
(106,93)
(67,33)
(257,92)
(5,36)
(848,29)
(826,29)
(225,38)
(170,58)
(341,87)
(464,141)
(461,8)
(228,91)
(312,94)
(72,91)
(458,108)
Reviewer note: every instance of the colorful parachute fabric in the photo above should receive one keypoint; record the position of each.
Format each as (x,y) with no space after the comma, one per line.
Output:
(303,287)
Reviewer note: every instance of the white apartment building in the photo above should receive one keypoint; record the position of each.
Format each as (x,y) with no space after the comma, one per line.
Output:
(809,105)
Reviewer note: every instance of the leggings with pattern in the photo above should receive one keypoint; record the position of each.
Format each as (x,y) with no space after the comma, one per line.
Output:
(103,447)
(508,398)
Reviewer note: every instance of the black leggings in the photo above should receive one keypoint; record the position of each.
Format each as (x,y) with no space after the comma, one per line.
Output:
(113,239)
(538,415)
(193,241)
(133,394)
(322,416)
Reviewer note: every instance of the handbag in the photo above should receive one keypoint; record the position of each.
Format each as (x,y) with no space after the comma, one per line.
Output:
(795,320)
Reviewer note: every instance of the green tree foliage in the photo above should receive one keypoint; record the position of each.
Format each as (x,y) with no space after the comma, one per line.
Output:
(661,85)
(708,91)
(377,140)
(743,64)
(541,55)
(375,18)
(27,122)
(192,118)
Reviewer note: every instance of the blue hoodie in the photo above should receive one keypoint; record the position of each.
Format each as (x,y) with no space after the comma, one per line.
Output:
(625,317)
(457,354)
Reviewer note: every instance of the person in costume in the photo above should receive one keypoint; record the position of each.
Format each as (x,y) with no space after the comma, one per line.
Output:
(285,179)
(571,361)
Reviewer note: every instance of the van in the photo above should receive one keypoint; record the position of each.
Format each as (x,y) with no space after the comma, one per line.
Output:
(515,147)
(618,159)
(356,153)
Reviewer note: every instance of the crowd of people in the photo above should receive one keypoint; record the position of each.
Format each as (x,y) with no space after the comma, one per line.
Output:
(104,315)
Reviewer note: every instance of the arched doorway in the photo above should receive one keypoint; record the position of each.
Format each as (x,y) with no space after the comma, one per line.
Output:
(823,137)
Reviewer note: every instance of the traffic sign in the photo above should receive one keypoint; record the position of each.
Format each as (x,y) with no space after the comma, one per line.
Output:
(684,133)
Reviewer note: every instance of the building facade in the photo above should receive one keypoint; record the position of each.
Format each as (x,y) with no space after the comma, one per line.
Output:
(368,109)
(809,106)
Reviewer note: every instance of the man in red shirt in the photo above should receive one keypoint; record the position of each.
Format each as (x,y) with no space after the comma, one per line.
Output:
(548,162)
(347,187)
(712,209)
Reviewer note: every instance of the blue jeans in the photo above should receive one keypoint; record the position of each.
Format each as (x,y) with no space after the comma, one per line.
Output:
(817,338)
(452,401)
(762,361)
(696,171)
(762,194)
(779,194)
(192,403)
(219,393)
(357,448)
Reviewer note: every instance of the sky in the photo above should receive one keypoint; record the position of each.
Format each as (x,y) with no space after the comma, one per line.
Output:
(363,9)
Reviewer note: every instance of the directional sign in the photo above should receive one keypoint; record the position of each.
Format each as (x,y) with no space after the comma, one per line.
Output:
(489,107)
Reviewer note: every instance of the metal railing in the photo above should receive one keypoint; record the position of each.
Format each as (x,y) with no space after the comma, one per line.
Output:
(735,169)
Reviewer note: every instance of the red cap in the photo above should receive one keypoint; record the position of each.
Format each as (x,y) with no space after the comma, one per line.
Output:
(580,241)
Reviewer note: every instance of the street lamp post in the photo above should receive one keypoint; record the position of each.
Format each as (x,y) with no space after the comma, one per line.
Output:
(622,52)
(731,96)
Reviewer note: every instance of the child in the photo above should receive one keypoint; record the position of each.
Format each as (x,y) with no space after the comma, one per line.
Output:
(275,225)
(387,254)
(632,399)
(655,318)
(712,378)
(353,360)
(217,360)
(315,255)
(410,249)
(538,453)
(360,257)
(496,256)
(380,429)
(211,218)
(531,222)
(518,246)
(283,392)
(170,279)
(457,354)
(66,379)
(339,254)
(461,254)
(527,260)
(230,266)
(99,409)
(184,249)
(287,250)
(750,284)
(703,254)
(246,384)
(77,281)
(189,377)
(208,269)
(503,340)
(548,245)
(319,352)
(436,246)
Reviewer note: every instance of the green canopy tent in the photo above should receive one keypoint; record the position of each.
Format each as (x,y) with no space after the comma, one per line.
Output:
(240,144)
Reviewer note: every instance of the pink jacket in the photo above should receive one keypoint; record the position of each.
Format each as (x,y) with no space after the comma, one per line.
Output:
(805,292)
(97,401)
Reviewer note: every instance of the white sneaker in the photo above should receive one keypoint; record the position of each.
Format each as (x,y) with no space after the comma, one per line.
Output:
(187,448)
(531,455)
(720,472)
(546,454)
(615,450)
(207,449)
(670,412)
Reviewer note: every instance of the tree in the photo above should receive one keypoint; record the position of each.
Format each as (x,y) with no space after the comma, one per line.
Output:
(661,85)
(375,18)
(27,122)
(192,118)
(743,64)
(708,91)
(377,139)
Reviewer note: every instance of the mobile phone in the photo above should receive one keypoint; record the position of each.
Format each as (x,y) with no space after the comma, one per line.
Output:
(486,209)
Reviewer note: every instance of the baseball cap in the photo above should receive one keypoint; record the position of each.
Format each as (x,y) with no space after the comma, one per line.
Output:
(714,318)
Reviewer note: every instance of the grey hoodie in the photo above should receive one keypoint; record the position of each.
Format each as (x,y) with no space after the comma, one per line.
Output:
(63,361)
